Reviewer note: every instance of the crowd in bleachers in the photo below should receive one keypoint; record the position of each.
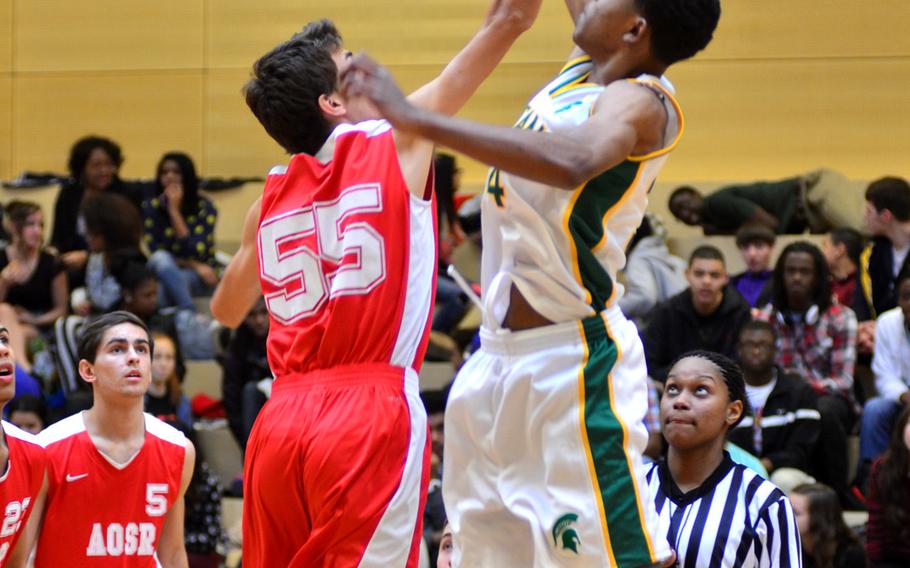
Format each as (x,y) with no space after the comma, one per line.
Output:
(804,330)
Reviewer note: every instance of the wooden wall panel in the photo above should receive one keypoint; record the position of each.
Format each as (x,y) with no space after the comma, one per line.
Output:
(6,36)
(6,115)
(785,28)
(235,143)
(52,111)
(412,32)
(62,35)
(762,119)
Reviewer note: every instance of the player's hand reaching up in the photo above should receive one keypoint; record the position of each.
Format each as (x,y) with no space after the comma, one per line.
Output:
(516,14)
(371,90)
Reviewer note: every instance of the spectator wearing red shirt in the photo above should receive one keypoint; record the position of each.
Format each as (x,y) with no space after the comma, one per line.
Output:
(842,248)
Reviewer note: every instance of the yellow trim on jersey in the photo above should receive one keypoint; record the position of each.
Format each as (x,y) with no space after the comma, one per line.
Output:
(574,85)
(573,62)
(576,268)
(680,120)
(625,438)
(586,443)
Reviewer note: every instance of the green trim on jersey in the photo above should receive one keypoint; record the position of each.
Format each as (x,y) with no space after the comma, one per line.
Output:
(606,439)
(586,226)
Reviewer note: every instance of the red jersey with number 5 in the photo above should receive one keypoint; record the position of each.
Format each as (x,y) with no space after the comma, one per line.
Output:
(19,485)
(103,513)
(347,257)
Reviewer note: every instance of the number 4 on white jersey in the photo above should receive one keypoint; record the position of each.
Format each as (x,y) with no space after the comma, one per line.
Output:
(282,263)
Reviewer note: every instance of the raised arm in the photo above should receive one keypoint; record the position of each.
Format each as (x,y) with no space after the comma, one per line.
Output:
(626,119)
(239,287)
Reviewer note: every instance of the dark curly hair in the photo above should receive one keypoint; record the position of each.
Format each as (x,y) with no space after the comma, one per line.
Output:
(821,294)
(83,148)
(114,218)
(287,83)
(679,28)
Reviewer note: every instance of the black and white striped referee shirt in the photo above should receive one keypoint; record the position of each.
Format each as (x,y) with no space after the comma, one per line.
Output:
(734,519)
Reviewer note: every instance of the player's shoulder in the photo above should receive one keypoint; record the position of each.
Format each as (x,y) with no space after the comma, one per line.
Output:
(164,431)
(14,432)
(62,430)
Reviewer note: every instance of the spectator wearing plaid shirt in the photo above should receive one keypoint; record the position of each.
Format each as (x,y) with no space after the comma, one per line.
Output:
(817,341)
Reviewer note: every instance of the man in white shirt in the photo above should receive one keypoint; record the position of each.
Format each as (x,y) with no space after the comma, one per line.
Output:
(891,366)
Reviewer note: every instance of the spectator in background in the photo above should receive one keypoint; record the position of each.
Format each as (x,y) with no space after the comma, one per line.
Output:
(818,201)
(245,364)
(708,315)
(817,342)
(28,412)
(826,540)
(164,398)
(94,164)
(452,304)
(842,249)
(888,530)
(434,515)
(756,244)
(888,221)
(891,367)
(444,560)
(202,528)
(33,285)
(782,425)
(180,233)
(651,274)
(112,227)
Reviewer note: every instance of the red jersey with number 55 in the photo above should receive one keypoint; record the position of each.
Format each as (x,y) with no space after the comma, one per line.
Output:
(103,513)
(347,256)
(19,485)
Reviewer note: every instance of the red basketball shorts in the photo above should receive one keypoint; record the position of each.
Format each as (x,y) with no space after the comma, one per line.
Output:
(336,471)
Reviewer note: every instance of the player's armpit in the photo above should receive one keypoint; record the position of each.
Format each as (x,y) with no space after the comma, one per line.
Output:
(29,537)
(171,551)
(239,287)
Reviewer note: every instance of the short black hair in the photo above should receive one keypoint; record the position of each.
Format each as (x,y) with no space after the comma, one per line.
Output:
(93,332)
(752,233)
(135,274)
(709,252)
(189,181)
(679,28)
(821,296)
(83,148)
(287,83)
(891,193)
(731,373)
(758,325)
(28,403)
(683,190)
(852,241)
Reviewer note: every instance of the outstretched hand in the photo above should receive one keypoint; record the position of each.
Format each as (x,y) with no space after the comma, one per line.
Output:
(371,91)
(519,14)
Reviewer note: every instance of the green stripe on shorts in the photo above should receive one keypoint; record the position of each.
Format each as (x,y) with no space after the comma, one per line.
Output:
(605,436)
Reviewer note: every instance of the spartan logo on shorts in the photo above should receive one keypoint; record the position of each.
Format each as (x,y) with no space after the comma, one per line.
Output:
(565,539)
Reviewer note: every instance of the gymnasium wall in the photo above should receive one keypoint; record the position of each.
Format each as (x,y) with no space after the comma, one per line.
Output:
(786,86)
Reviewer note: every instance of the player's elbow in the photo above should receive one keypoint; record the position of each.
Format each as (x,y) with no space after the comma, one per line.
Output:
(574,171)
(223,312)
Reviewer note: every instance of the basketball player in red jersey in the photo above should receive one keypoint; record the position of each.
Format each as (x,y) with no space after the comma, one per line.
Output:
(117,475)
(342,245)
(23,482)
